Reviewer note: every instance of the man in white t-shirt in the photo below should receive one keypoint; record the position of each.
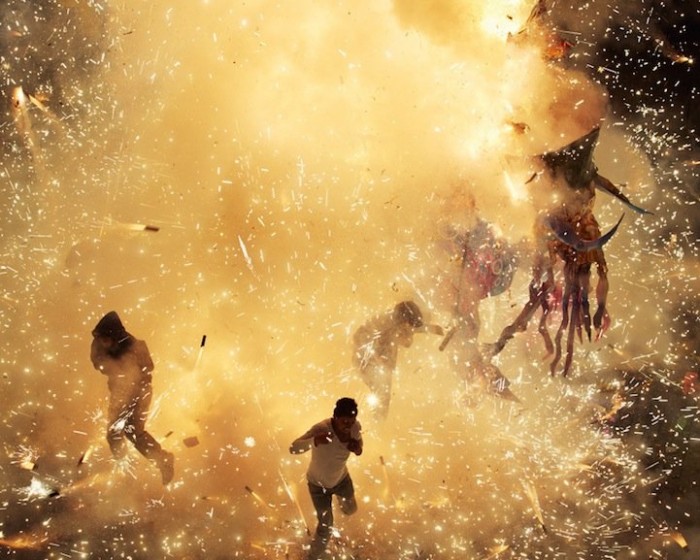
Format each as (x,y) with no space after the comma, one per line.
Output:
(331,441)
(127,364)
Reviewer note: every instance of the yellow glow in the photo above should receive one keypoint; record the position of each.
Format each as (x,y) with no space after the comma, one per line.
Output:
(516,189)
(272,178)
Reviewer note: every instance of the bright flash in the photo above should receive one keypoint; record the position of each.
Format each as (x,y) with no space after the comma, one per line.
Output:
(36,489)
(372,401)
(516,190)
(19,99)
(501,19)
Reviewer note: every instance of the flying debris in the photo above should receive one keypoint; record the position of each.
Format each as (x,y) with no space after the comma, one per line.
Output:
(244,250)
(85,457)
(258,498)
(556,46)
(23,542)
(494,551)
(110,224)
(293,494)
(669,52)
(200,353)
(387,487)
(679,539)
(519,127)
(23,123)
(39,489)
(43,108)
(135,227)
(25,458)
(531,493)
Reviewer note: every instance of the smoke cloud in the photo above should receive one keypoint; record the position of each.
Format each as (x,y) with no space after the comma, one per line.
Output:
(248,183)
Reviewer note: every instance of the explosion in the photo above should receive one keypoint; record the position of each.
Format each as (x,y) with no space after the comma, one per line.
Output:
(249,183)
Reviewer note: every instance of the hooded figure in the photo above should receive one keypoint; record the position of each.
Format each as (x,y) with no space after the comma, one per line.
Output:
(127,364)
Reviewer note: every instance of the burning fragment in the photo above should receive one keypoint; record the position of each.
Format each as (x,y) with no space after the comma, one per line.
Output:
(84,458)
(679,539)
(558,48)
(23,123)
(531,493)
(23,542)
(244,250)
(667,49)
(25,458)
(200,353)
(496,550)
(519,127)
(291,491)
(191,441)
(27,465)
(133,227)
(258,498)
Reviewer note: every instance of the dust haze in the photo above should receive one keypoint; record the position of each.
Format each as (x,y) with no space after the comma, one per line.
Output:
(246,184)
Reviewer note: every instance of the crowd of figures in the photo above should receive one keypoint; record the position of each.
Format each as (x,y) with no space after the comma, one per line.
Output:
(643,410)
(476,263)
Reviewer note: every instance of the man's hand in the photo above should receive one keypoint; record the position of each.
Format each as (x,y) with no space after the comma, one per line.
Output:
(354,446)
(323,439)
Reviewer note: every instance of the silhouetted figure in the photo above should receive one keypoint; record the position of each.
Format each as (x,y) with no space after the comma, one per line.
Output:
(376,348)
(127,364)
(331,441)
